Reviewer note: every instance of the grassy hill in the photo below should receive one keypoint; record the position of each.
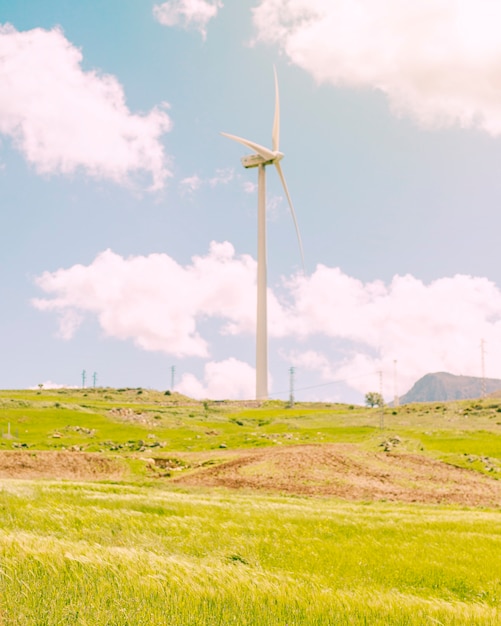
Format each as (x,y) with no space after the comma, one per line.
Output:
(132,507)
(145,425)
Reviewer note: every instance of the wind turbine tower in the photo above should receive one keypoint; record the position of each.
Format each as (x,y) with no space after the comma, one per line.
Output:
(261,158)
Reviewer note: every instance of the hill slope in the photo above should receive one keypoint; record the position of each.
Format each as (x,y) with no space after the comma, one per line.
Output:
(447,452)
(441,387)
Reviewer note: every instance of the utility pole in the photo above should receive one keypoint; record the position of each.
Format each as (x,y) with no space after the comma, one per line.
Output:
(94,379)
(172,377)
(482,357)
(291,387)
(84,376)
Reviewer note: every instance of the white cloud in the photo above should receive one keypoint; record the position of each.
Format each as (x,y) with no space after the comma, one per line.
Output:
(222,380)
(274,205)
(249,187)
(313,360)
(48,384)
(436,60)
(222,176)
(63,119)
(190,184)
(187,13)
(426,328)
(69,321)
(361,327)
(153,300)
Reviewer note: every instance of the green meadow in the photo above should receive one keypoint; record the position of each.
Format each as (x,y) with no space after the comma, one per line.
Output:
(144,550)
(100,420)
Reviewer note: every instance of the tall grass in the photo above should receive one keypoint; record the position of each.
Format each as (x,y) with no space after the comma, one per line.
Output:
(74,553)
(117,554)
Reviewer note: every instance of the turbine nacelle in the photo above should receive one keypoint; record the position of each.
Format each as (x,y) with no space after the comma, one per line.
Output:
(265,156)
(255,160)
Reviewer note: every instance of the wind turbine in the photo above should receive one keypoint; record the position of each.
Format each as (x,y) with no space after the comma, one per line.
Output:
(261,158)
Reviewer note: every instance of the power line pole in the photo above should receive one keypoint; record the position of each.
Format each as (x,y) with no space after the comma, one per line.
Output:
(291,386)
(84,376)
(94,379)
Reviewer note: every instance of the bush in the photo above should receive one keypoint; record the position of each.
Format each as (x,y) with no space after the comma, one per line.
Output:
(373,398)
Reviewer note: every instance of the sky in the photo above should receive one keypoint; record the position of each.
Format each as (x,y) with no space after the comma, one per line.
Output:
(128,226)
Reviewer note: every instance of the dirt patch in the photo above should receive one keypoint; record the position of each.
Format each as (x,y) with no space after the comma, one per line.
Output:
(58,464)
(339,470)
(349,472)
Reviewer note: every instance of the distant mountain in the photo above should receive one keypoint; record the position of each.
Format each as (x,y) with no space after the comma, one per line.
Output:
(441,386)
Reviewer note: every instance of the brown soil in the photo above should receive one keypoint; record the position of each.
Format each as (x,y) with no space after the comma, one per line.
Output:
(66,465)
(349,472)
(339,470)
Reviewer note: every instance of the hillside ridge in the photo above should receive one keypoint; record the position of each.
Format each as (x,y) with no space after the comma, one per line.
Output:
(442,387)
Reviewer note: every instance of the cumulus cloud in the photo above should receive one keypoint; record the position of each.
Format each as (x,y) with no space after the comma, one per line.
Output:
(153,300)
(222,380)
(313,360)
(426,328)
(64,119)
(187,13)
(361,328)
(438,61)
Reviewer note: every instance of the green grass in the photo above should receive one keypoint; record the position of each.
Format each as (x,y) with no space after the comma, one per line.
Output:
(116,554)
(143,552)
(480,442)
(61,419)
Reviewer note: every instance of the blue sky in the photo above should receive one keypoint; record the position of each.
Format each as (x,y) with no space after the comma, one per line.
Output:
(128,226)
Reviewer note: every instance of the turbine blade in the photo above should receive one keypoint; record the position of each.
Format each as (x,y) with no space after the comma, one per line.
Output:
(293,213)
(267,155)
(275,137)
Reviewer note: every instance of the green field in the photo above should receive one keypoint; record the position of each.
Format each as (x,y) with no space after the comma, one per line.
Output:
(105,419)
(144,550)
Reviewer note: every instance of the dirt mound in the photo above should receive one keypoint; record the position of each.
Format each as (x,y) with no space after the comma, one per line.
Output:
(349,472)
(67,465)
(340,470)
